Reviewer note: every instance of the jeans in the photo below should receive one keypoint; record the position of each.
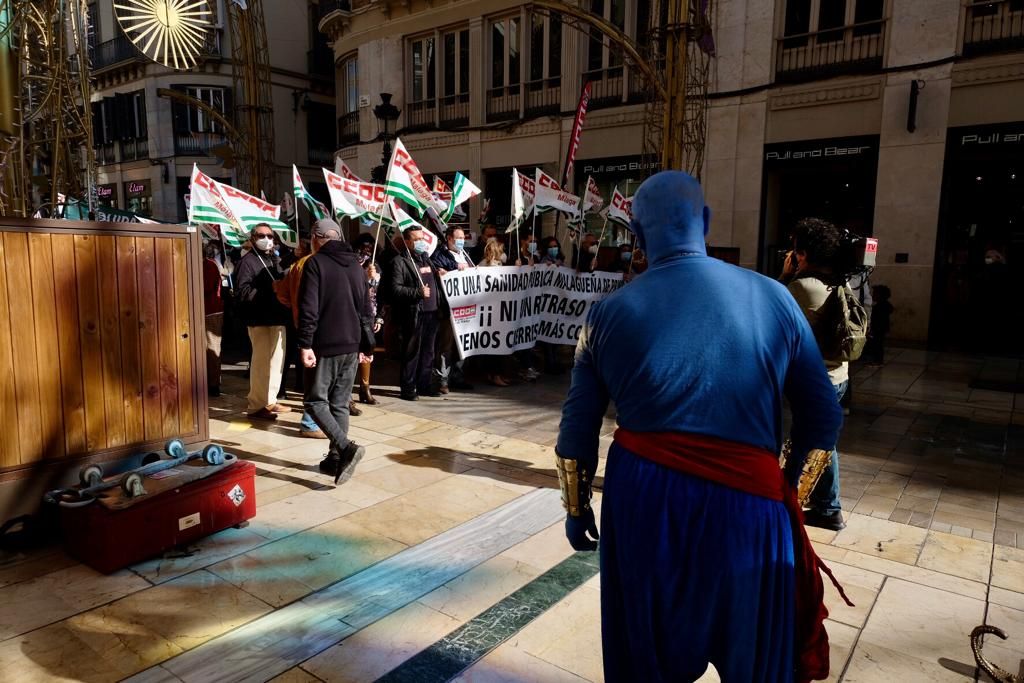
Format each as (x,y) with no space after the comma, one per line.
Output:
(825,496)
(328,392)
(307,424)
(449,355)
(416,339)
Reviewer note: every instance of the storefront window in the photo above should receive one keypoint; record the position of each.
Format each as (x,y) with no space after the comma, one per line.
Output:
(106,195)
(626,173)
(139,197)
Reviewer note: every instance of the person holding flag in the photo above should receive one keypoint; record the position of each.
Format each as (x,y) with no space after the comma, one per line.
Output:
(415,299)
(266,320)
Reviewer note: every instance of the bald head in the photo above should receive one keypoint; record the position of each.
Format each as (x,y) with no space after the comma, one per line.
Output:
(669,215)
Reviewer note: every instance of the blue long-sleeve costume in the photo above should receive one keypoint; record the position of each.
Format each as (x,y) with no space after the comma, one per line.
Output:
(693,571)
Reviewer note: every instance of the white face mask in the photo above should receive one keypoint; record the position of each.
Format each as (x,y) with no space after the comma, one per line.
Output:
(504,257)
(593,249)
(989,260)
(265,244)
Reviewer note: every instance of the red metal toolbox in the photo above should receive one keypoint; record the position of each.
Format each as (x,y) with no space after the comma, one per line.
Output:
(108,540)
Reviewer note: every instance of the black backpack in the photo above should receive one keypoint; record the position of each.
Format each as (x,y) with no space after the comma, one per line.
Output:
(842,328)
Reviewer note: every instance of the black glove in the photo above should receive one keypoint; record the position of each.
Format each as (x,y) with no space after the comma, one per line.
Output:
(575,479)
(577,528)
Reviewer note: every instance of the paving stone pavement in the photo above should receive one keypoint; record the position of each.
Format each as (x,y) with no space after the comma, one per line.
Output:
(931,482)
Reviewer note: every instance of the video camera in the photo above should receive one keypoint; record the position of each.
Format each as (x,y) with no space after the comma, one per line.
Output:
(857,254)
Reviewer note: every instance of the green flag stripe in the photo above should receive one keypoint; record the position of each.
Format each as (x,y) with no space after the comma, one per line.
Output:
(403,192)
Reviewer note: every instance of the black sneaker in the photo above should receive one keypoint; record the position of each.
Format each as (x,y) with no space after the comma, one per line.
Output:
(329,465)
(345,465)
(833,521)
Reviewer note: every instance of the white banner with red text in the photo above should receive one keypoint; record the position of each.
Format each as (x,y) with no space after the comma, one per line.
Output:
(503,309)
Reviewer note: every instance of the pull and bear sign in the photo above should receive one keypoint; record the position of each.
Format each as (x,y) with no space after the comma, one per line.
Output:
(510,308)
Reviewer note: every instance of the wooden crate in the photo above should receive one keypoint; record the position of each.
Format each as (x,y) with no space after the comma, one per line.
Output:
(102,348)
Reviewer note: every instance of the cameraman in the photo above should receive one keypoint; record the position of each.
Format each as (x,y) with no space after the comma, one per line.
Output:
(808,274)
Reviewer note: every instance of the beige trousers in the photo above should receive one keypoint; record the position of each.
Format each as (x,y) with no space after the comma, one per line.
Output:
(266,365)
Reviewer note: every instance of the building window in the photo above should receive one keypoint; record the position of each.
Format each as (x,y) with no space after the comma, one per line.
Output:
(320,144)
(139,197)
(823,38)
(348,122)
(421,109)
(503,96)
(543,87)
(92,29)
(195,131)
(454,109)
(120,121)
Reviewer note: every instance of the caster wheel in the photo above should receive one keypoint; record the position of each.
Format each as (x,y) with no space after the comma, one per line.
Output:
(175,448)
(213,454)
(91,476)
(131,484)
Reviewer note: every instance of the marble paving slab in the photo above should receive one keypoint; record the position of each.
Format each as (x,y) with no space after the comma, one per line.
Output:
(273,644)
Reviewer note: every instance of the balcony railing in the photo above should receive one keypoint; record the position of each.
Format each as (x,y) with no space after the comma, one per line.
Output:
(321,157)
(503,103)
(996,26)
(132,150)
(607,87)
(120,49)
(455,110)
(328,6)
(115,51)
(543,97)
(348,129)
(197,144)
(421,115)
(105,154)
(849,49)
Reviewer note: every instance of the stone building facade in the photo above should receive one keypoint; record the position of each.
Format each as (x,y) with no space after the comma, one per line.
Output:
(902,119)
(146,145)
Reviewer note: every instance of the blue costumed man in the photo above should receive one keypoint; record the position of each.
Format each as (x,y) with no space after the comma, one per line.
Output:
(704,557)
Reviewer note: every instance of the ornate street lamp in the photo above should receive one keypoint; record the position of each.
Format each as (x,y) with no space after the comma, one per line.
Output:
(387,114)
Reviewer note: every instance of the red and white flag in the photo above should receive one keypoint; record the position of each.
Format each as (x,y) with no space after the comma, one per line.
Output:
(549,195)
(620,209)
(577,131)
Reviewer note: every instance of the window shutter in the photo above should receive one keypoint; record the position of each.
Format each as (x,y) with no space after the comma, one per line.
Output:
(97,124)
(179,113)
(141,127)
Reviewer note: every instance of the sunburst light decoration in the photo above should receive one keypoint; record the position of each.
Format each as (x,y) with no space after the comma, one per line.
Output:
(170,32)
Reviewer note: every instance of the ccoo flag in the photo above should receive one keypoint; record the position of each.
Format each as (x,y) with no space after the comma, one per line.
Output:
(405,182)
(620,208)
(462,192)
(207,207)
(316,209)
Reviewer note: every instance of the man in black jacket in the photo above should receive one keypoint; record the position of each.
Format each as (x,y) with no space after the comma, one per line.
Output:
(266,319)
(334,300)
(415,306)
(450,255)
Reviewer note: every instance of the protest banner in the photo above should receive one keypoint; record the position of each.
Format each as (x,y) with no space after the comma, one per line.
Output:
(504,309)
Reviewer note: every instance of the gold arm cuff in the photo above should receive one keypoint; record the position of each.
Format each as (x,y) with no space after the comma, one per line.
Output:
(816,462)
(575,485)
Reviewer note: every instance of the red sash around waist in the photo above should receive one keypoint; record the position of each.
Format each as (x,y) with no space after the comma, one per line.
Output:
(755,471)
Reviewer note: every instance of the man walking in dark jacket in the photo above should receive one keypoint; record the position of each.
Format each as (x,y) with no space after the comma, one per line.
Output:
(415,305)
(265,318)
(333,301)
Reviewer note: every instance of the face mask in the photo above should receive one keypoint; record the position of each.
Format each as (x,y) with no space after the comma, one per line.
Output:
(420,246)
(264,244)
(553,252)
(593,249)
(532,248)
(504,257)
(459,244)
(989,261)
(627,255)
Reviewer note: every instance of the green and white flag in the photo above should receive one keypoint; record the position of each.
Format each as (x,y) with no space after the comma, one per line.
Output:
(207,207)
(462,192)
(404,221)
(250,211)
(405,182)
(317,210)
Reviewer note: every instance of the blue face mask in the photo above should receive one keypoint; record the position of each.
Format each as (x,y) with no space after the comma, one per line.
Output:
(532,248)
(420,246)
(553,252)
(459,244)
(627,256)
